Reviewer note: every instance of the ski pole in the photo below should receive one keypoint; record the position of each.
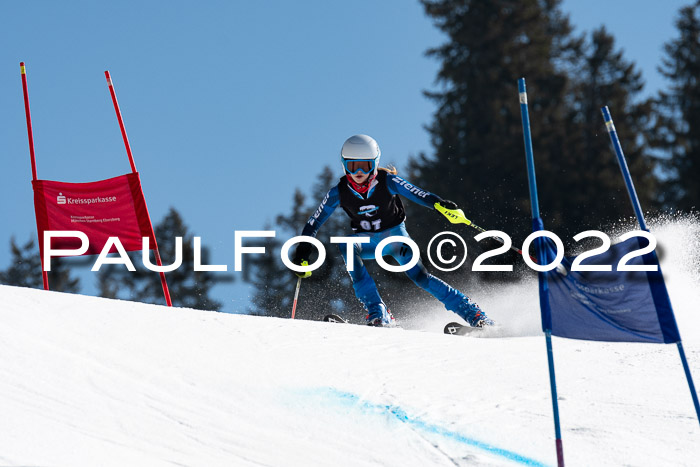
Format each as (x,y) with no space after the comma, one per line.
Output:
(296,296)
(456,216)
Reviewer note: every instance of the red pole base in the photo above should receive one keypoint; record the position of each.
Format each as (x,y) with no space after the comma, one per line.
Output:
(560,453)
(163,282)
(45,278)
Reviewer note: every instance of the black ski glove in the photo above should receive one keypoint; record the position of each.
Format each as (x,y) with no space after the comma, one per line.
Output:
(447,204)
(301,258)
(302,253)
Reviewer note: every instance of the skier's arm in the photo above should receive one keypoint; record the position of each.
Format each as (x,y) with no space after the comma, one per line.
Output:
(324,211)
(399,186)
(321,215)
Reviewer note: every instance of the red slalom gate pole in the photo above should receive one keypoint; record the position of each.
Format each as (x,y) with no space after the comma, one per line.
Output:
(296,297)
(30,134)
(164,283)
(121,121)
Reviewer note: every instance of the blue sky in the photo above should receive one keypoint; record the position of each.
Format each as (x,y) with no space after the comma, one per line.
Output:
(231,105)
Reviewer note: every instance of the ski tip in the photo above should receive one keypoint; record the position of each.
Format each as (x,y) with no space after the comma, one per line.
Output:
(332,318)
(452,328)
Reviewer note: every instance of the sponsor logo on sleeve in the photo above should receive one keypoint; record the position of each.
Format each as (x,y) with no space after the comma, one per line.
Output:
(318,212)
(410,188)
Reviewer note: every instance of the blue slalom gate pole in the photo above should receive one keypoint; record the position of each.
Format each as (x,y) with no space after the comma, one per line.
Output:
(610,126)
(544,299)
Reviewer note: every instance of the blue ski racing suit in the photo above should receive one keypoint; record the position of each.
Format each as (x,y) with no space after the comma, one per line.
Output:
(376,215)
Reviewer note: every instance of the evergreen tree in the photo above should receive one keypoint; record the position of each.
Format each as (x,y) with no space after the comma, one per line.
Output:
(60,278)
(25,270)
(678,113)
(271,280)
(188,288)
(479,159)
(587,177)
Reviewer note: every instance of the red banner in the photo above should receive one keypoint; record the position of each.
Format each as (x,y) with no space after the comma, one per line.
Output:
(109,208)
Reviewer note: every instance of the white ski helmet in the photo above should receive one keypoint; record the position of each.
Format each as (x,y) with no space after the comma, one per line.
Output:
(360,153)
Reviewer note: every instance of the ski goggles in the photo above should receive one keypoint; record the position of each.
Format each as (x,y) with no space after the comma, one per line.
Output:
(352,166)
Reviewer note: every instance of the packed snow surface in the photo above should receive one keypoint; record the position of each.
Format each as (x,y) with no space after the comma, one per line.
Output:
(87,381)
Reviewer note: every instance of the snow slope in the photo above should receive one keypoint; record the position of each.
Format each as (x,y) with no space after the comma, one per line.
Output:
(86,381)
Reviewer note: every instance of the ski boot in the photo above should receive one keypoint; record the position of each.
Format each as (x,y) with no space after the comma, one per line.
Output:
(480,320)
(472,314)
(379,315)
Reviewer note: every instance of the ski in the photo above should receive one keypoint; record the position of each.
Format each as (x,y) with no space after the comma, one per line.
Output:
(334,319)
(460,329)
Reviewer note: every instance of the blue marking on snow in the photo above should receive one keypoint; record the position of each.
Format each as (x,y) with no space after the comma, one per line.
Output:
(356,402)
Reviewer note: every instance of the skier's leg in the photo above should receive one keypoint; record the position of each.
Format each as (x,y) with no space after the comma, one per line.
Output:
(365,288)
(453,299)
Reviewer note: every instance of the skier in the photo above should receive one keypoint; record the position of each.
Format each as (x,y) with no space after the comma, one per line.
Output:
(369,196)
